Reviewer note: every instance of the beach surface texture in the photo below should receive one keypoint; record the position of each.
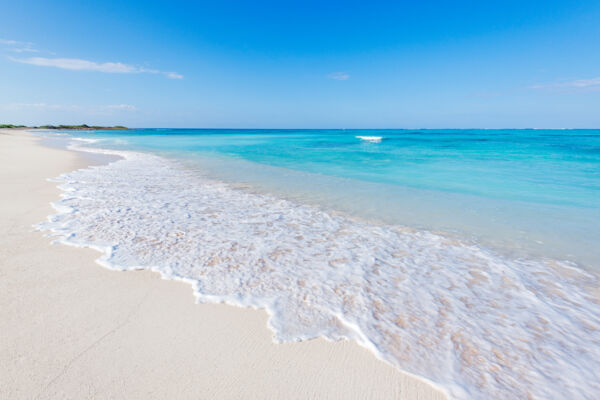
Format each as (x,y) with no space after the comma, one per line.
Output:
(73,330)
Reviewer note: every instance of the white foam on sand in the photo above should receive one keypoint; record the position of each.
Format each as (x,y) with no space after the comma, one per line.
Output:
(476,324)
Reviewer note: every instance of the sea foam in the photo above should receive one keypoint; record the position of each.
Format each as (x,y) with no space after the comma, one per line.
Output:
(372,139)
(476,324)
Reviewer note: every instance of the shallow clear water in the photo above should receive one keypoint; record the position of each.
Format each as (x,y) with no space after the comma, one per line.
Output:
(523,192)
(472,284)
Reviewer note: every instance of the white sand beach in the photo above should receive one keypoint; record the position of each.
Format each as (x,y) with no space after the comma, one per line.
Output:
(72,329)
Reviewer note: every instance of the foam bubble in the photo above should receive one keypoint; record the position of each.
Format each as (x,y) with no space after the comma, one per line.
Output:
(476,324)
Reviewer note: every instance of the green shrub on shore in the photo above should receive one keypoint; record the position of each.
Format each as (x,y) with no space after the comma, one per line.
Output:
(12,126)
(67,127)
(81,127)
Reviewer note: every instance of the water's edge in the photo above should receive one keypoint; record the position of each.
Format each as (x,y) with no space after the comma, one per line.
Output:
(115,156)
(451,270)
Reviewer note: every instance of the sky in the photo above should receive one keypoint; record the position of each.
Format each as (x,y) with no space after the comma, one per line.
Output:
(301,64)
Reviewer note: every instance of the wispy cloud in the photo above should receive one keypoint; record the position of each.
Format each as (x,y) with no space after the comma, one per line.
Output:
(91,110)
(339,76)
(8,42)
(24,50)
(173,75)
(76,64)
(579,83)
(18,47)
(122,107)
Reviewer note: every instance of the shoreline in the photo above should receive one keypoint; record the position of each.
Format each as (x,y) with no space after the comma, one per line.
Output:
(75,329)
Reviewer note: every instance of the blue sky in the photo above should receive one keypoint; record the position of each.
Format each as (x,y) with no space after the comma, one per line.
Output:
(304,64)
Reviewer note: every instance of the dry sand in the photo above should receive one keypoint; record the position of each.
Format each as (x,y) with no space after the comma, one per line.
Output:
(71,329)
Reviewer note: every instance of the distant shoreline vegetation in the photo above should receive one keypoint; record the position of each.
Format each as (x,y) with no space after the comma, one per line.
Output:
(82,127)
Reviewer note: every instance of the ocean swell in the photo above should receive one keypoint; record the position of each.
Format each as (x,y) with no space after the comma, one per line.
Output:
(477,324)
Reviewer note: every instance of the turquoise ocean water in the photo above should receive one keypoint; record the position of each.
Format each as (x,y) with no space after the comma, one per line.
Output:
(525,192)
(466,257)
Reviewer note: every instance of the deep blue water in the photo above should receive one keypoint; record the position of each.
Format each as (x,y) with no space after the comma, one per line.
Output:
(521,191)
